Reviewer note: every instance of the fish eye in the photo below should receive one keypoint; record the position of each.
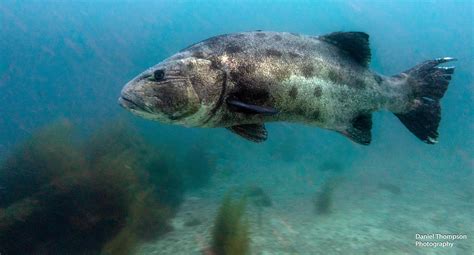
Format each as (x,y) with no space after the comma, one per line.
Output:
(158,75)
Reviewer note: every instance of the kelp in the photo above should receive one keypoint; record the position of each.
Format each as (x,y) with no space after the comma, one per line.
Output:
(105,193)
(230,234)
(49,153)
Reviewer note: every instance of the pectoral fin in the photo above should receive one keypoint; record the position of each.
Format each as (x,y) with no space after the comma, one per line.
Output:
(252,132)
(360,129)
(240,106)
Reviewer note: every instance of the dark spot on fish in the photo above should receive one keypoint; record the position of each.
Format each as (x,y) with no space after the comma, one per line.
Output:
(357,83)
(299,111)
(307,70)
(190,65)
(281,73)
(228,118)
(246,69)
(293,92)
(249,88)
(251,95)
(277,37)
(273,53)
(238,35)
(305,47)
(334,77)
(233,48)
(317,91)
(198,54)
(215,62)
(293,55)
(213,42)
(315,115)
(260,35)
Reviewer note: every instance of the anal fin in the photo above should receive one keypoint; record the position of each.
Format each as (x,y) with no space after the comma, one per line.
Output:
(252,132)
(360,129)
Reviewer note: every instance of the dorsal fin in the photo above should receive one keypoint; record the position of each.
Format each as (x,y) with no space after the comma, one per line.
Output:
(356,44)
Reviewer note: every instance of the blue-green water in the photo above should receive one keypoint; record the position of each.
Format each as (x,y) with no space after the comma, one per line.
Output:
(69,60)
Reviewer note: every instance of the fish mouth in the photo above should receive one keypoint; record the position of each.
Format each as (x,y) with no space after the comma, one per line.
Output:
(128,103)
(138,109)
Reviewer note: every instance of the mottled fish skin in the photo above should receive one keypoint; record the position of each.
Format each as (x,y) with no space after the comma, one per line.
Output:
(306,79)
(242,80)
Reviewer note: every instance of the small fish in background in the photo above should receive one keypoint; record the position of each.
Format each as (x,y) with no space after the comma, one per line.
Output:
(241,81)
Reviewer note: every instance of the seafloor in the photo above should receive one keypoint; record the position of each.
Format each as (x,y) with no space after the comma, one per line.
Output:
(378,206)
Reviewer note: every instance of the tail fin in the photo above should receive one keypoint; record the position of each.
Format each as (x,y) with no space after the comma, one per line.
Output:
(429,83)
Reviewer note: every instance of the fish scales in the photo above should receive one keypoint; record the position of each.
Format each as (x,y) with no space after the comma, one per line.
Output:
(241,81)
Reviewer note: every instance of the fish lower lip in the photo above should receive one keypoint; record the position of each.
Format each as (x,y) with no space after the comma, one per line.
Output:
(125,102)
(130,104)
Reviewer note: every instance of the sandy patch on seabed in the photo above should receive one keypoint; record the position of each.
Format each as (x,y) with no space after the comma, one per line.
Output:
(364,218)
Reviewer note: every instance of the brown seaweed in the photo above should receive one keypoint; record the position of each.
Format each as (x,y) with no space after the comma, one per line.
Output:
(230,234)
(106,193)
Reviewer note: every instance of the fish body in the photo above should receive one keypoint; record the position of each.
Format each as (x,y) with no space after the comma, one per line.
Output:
(241,81)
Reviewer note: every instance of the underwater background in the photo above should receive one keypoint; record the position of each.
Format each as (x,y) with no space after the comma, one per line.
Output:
(80,175)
